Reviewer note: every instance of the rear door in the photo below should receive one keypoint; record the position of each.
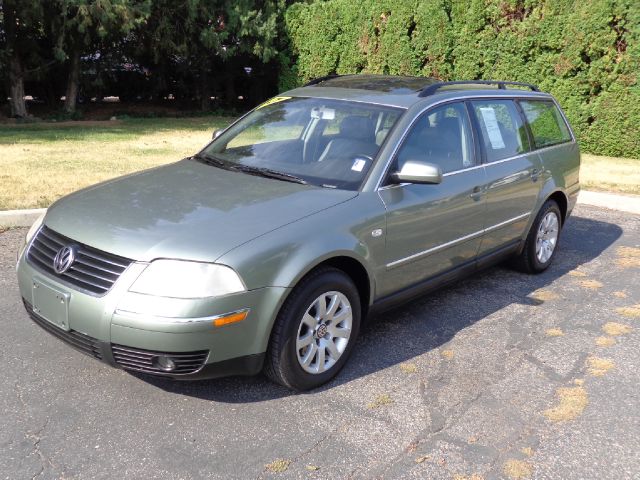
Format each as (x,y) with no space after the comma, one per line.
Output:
(434,228)
(512,171)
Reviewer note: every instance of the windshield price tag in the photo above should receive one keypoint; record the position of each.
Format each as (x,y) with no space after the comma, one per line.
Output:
(358,164)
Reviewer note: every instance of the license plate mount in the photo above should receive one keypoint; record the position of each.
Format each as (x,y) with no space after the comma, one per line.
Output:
(51,304)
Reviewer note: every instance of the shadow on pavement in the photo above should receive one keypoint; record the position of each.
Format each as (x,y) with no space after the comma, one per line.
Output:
(426,323)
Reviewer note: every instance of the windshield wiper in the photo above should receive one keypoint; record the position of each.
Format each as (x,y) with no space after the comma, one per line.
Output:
(268,173)
(210,160)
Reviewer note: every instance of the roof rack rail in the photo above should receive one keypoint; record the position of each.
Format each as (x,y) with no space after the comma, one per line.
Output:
(318,80)
(431,89)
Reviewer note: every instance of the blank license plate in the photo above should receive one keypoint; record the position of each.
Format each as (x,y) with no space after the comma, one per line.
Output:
(51,304)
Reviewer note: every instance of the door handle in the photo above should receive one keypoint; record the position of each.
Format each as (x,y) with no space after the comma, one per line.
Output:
(535,174)
(476,193)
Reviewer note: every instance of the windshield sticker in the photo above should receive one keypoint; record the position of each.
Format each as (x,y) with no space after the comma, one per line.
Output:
(493,129)
(271,101)
(358,165)
(323,113)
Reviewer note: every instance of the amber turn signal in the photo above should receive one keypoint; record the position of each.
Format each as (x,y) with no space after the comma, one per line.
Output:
(234,317)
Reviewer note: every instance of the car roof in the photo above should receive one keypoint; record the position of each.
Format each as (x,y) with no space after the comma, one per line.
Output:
(405,91)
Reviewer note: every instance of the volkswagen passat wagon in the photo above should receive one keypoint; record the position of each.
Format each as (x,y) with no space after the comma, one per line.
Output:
(268,249)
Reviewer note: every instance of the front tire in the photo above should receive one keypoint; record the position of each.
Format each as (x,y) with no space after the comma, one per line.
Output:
(315,330)
(542,240)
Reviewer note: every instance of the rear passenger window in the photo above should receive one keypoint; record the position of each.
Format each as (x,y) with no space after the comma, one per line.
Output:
(502,130)
(546,123)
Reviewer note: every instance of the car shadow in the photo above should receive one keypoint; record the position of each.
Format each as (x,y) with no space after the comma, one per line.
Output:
(426,323)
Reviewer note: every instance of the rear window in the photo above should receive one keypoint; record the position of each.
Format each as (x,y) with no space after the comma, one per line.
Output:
(546,123)
(502,129)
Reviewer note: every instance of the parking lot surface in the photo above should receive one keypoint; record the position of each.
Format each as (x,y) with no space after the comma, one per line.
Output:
(502,375)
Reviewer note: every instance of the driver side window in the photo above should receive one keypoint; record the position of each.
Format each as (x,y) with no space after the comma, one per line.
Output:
(441,136)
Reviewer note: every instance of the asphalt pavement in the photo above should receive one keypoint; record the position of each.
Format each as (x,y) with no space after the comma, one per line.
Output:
(502,375)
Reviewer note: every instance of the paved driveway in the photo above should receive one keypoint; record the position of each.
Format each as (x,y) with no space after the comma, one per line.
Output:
(501,375)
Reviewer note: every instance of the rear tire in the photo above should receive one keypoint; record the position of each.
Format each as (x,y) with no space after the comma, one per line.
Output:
(315,330)
(541,244)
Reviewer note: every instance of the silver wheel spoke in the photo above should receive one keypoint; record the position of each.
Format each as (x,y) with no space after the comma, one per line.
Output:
(309,355)
(321,359)
(333,306)
(321,308)
(334,353)
(309,321)
(304,341)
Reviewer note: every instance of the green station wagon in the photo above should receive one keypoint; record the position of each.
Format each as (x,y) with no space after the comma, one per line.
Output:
(269,248)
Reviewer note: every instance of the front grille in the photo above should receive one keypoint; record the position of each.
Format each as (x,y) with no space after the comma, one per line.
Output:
(140,360)
(93,270)
(77,340)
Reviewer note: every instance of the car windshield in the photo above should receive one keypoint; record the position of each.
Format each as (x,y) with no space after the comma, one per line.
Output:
(328,143)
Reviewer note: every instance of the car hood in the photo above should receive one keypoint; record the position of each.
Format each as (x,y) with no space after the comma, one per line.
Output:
(186,210)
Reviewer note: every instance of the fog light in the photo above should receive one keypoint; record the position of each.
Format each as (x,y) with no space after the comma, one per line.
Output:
(163,363)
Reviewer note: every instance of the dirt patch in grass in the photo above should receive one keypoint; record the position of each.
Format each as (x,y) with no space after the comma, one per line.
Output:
(571,403)
(615,329)
(517,469)
(630,312)
(599,366)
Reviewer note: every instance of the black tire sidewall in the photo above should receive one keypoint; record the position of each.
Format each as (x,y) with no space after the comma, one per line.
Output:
(331,280)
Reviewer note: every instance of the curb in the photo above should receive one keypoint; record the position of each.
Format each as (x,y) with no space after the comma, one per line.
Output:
(612,201)
(20,218)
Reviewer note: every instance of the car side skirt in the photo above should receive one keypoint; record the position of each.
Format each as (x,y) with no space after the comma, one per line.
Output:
(447,277)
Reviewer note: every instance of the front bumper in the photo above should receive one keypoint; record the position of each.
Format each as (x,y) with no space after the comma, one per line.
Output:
(131,331)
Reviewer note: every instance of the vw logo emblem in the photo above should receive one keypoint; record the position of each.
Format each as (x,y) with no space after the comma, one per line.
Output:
(64,259)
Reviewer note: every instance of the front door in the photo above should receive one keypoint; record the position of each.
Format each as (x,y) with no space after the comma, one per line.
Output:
(434,228)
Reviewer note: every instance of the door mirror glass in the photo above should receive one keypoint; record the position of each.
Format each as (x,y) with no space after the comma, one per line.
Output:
(414,171)
(216,134)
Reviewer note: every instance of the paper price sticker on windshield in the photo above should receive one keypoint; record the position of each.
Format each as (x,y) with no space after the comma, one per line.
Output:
(493,129)
(358,165)
(271,101)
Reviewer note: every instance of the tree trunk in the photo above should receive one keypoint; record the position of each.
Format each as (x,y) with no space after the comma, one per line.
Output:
(205,90)
(16,70)
(71,96)
(16,86)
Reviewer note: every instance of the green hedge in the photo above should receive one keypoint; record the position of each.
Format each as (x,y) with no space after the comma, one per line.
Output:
(586,53)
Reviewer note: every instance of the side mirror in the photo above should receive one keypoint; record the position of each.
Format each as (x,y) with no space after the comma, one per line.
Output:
(216,133)
(415,171)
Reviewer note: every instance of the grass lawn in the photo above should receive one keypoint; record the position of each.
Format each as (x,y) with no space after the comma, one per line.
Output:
(610,174)
(41,162)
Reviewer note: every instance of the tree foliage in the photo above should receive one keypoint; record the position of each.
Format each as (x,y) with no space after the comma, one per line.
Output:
(587,54)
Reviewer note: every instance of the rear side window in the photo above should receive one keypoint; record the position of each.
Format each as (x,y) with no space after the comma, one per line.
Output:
(546,123)
(501,127)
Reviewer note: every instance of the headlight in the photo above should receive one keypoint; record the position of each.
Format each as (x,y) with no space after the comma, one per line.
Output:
(31,232)
(181,279)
